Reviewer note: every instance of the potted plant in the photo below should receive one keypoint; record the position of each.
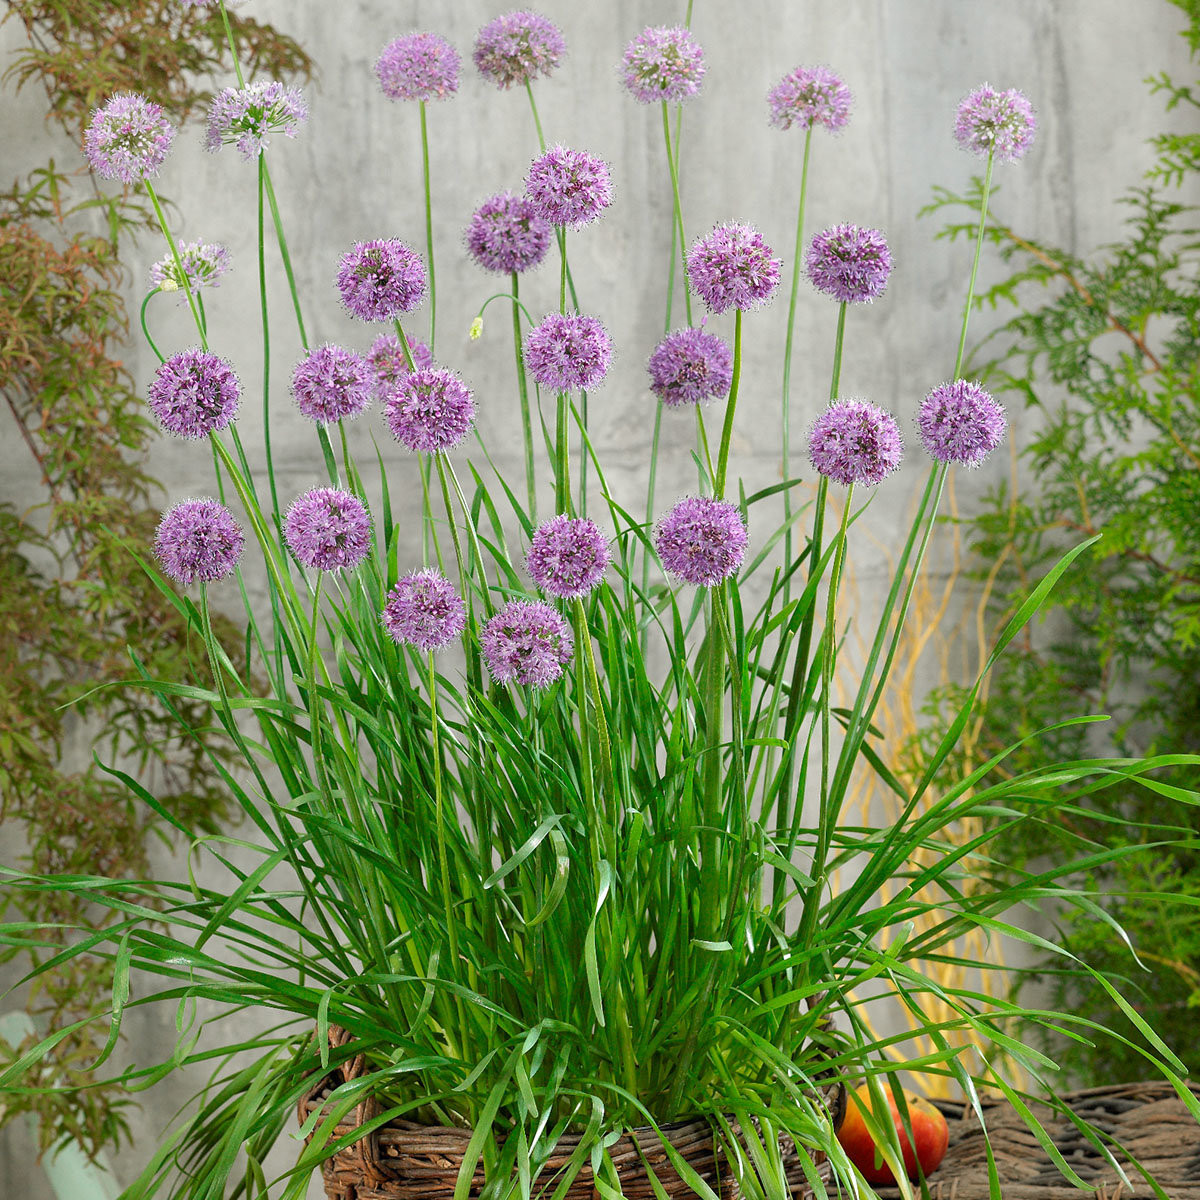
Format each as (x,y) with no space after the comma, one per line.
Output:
(543,827)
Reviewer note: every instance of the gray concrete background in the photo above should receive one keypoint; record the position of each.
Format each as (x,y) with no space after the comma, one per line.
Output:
(354,173)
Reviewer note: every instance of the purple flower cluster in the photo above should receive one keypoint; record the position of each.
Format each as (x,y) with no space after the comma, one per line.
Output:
(992,122)
(690,366)
(854,442)
(381,280)
(331,384)
(732,267)
(194,393)
(567,556)
(701,540)
(328,529)
(809,96)
(518,47)
(527,642)
(567,352)
(960,422)
(203,265)
(569,187)
(128,138)
(507,233)
(388,363)
(849,263)
(244,117)
(429,410)
(198,539)
(662,64)
(418,66)
(424,610)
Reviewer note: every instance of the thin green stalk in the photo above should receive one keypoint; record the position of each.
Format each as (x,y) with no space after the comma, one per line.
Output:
(678,218)
(428,228)
(562,455)
(526,414)
(283,251)
(429,533)
(983,210)
(536,119)
(237,64)
(145,330)
(266,329)
(731,407)
(187,291)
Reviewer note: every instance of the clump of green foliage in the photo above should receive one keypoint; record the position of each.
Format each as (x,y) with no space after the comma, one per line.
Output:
(69,604)
(1110,362)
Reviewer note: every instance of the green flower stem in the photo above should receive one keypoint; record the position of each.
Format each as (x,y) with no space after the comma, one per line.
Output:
(266,329)
(145,330)
(429,534)
(536,119)
(237,64)
(786,424)
(428,227)
(562,456)
(526,414)
(672,162)
(731,407)
(283,251)
(702,438)
(587,665)
(187,291)
(983,212)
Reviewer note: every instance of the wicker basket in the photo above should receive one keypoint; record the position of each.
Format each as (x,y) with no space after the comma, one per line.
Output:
(403,1160)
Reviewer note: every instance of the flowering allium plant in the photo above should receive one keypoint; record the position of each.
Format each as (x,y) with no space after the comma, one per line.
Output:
(592,872)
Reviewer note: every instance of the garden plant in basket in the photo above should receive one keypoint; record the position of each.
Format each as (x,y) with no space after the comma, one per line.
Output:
(547,822)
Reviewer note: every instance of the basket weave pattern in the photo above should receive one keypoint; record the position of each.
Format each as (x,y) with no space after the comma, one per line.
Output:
(404,1160)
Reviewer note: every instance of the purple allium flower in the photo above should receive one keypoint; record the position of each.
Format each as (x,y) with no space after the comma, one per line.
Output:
(999,123)
(380,280)
(424,610)
(960,422)
(328,529)
(527,642)
(418,66)
(198,539)
(243,117)
(387,361)
(854,442)
(701,540)
(567,556)
(569,187)
(194,393)
(429,410)
(809,96)
(203,266)
(663,64)
(517,48)
(849,263)
(331,384)
(732,267)
(128,138)
(507,233)
(690,366)
(566,352)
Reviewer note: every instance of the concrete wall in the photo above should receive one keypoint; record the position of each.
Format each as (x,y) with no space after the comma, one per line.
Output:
(354,173)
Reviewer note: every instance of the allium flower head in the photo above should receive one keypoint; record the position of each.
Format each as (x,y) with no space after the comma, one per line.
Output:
(517,48)
(418,66)
(198,539)
(203,266)
(429,410)
(244,117)
(854,442)
(194,393)
(567,352)
(388,363)
(424,610)
(663,64)
(507,233)
(992,122)
(128,138)
(526,642)
(849,263)
(332,384)
(567,556)
(690,366)
(701,540)
(809,96)
(960,422)
(732,267)
(569,187)
(381,280)
(328,529)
